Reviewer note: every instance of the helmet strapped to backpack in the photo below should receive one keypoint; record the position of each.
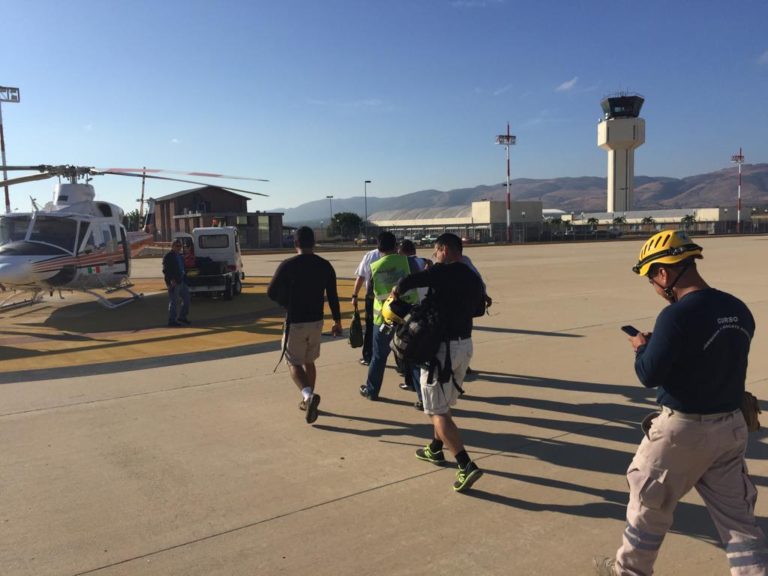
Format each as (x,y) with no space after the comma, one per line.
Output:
(394,311)
(667,247)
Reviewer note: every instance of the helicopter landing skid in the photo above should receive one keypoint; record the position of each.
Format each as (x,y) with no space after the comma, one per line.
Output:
(8,304)
(112,305)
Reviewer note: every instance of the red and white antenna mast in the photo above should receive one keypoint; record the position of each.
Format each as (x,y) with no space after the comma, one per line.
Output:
(738,159)
(507,140)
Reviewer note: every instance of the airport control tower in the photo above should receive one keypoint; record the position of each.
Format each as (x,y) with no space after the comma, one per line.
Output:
(621,131)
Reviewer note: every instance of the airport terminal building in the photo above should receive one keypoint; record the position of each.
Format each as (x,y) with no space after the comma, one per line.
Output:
(483,221)
(486,221)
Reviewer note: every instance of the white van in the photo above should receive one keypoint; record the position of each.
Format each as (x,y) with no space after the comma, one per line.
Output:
(213,260)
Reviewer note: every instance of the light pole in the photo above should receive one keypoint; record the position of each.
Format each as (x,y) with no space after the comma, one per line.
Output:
(738,159)
(7,94)
(507,140)
(365,219)
(330,222)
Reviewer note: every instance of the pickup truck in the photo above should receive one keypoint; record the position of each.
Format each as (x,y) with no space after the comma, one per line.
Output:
(213,262)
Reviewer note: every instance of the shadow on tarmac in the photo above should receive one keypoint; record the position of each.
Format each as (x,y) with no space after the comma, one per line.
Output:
(527,332)
(618,423)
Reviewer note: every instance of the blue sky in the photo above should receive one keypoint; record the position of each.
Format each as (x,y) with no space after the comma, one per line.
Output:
(320,95)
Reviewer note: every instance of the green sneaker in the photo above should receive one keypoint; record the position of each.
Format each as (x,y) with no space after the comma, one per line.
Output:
(466,477)
(428,456)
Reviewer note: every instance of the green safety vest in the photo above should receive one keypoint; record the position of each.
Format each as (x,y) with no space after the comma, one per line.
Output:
(385,273)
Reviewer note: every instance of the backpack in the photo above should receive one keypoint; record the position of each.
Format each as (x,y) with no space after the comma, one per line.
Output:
(356,330)
(418,338)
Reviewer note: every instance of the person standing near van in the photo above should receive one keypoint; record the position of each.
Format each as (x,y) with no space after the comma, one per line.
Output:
(300,285)
(176,282)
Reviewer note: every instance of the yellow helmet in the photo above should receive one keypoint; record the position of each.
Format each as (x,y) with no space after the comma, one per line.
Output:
(667,247)
(394,311)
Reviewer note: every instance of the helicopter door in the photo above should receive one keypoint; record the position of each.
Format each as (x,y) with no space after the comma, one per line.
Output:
(126,250)
(114,247)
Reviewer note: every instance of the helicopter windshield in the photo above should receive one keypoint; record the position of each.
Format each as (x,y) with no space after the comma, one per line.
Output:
(13,228)
(55,230)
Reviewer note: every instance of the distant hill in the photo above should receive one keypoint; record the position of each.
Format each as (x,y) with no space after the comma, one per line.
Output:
(582,194)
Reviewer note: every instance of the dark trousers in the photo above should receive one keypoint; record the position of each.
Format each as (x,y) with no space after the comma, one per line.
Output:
(368,338)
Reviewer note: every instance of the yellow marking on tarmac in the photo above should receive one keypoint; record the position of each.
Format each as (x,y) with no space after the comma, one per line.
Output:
(78,331)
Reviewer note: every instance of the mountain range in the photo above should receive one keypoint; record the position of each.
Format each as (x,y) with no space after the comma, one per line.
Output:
(579,194)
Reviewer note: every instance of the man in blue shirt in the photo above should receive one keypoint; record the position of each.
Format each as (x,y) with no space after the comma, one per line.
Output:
(697,360)
(175,280)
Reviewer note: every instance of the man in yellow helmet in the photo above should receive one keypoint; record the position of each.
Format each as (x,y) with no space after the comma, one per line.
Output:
(697,360)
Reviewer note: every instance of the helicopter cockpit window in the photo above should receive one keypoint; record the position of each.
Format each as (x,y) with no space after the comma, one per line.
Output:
(13,228)
(55,230)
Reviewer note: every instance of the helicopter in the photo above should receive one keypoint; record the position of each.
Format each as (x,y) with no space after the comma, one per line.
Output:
(75,242)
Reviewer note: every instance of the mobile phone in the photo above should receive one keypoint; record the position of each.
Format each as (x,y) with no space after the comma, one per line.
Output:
(631,330)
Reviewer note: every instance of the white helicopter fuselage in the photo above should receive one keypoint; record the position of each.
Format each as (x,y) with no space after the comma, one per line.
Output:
(73,243)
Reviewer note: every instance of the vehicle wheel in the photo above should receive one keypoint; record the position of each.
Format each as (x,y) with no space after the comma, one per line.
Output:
(229,290)
(238,288)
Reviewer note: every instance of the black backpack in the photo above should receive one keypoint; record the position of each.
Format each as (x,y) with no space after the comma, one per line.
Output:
(418,338)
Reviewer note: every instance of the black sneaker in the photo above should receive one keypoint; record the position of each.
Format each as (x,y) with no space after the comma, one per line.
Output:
(312,404)
(366,393)
(364,362)
(173,324)
(404,386)
(419,405)
(427,455)
(184,321)
(466,477)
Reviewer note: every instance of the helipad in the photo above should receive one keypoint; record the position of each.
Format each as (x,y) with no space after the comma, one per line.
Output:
(131,448)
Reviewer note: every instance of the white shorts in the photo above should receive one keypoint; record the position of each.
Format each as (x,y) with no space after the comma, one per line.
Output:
(303,346)
(440,396)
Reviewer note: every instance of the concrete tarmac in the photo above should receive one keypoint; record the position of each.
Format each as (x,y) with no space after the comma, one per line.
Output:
(131,448)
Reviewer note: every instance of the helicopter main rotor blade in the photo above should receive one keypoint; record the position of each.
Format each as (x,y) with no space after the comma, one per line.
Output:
(200,174)
(22,179)
(39,168)
(100,172)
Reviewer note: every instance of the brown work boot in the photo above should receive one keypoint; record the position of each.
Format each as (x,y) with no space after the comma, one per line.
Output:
(604,566)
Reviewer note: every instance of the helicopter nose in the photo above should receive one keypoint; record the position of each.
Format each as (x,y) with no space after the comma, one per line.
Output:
(15,273)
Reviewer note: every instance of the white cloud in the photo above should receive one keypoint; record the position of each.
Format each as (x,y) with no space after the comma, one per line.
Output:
(88,127)
(567,85)
(175,141)
(763,59)
(502,90)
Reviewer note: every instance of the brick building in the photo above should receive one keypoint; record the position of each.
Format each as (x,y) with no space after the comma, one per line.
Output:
(214,206)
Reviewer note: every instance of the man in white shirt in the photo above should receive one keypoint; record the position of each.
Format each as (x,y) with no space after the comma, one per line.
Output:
(363,277)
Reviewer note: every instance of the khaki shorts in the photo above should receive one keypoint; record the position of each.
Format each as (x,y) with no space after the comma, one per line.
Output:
(303,346)
(439,397)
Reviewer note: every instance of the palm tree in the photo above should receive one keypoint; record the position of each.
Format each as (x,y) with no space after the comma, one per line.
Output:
(688,221)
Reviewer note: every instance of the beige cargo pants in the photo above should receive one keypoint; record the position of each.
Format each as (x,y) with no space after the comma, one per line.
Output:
(683,451)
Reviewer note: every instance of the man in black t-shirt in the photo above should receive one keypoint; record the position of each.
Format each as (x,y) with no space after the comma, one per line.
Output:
(697,360)
(459,294)
(299,285)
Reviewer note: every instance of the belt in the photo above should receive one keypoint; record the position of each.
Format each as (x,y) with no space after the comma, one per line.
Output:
(697,417)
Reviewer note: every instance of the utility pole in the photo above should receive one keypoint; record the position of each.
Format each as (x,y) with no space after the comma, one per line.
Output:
(738,159)
(507,140)
(7,94)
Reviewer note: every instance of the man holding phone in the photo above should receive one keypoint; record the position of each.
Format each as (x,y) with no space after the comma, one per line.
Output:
(697,360)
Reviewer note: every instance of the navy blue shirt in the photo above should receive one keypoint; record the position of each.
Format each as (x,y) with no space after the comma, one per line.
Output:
(458,291)
(299,284)
(697,355)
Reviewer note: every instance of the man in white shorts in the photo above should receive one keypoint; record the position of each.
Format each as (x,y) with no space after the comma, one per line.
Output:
(460,297)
